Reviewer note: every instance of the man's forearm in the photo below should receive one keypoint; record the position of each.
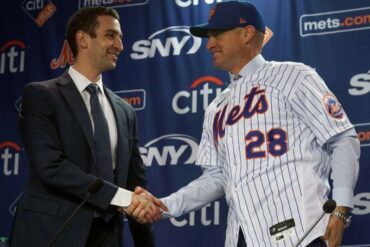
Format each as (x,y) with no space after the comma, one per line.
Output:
(345,154)
(198,193)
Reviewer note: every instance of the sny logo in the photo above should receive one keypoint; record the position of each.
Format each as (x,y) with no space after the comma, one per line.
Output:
(361,204)
(166,44)
(184,101)
(360,84)
(38,10)
(168,149)
(12,57)
(10,158)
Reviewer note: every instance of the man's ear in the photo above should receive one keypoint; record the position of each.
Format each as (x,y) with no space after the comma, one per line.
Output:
(248,33)
(82,39)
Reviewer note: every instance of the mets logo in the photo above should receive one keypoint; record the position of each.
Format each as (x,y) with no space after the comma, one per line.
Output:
(212,12)
(255,103)
(333,107)
(65,57)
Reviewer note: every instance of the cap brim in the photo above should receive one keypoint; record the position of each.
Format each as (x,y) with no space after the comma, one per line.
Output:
(202,30)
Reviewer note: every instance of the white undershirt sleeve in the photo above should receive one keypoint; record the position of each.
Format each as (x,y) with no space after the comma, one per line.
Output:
(122,198)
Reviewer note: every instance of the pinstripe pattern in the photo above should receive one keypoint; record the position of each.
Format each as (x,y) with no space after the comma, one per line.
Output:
(273,186)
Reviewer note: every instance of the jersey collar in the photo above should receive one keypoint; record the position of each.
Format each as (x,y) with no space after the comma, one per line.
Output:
(249,68)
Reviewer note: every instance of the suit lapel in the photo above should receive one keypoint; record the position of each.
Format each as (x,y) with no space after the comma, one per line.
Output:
(70,92)
(116,104)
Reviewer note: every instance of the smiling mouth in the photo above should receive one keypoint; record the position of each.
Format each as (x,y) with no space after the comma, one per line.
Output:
(114,56)
(215,54)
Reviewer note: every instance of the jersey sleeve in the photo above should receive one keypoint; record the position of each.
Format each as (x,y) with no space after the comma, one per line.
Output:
(194,196)
(208,153)
(317,105)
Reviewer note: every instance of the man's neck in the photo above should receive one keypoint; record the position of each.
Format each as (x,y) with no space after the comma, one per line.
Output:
(246,59)
(87,71)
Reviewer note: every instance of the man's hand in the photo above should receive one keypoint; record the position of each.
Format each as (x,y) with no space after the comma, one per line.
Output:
(144,207)
(138,208)
(335,229)
(157,207)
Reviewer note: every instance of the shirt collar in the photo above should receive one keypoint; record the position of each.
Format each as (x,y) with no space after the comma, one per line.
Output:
(82,82)
(249,68)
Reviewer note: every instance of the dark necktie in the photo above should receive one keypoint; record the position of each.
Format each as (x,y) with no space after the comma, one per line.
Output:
(103,154)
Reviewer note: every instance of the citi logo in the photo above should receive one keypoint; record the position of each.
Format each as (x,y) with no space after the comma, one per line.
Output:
(30,5)
(187,3)
(171,41)
(360,84)
(65,57)
(111,3)
(209,215)
(203,91)
(12,57)
(10,158)
(172,149)
(39,10)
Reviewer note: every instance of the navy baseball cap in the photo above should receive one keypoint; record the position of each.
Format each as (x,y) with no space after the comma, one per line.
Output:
(228,15)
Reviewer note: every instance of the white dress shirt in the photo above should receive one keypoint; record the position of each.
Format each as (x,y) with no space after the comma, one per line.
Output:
(122,197)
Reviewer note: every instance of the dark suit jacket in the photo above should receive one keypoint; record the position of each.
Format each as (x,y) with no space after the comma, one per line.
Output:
(58,138)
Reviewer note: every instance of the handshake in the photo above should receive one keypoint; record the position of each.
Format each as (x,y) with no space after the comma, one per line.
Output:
(144,207)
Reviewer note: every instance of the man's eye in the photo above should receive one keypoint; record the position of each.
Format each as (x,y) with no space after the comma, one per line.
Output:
(216,33)
(219,32)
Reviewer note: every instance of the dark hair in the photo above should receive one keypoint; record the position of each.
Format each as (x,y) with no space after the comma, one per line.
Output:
(85,20)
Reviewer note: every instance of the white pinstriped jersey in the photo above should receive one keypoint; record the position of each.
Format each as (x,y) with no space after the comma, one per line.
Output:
(267,132)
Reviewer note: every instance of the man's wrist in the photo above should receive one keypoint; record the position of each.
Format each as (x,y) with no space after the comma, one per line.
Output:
(122,198)
(346,219)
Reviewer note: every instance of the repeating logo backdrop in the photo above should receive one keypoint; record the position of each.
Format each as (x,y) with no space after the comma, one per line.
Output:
(166,74)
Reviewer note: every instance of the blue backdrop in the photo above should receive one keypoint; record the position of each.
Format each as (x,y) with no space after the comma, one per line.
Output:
(167,75)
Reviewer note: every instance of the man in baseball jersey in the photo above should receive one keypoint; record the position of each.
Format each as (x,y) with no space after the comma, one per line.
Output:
(269,142)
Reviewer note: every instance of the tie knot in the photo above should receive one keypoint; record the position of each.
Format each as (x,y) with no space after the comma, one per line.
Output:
(92,88)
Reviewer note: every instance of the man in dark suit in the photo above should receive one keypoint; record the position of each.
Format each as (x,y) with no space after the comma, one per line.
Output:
(76,131)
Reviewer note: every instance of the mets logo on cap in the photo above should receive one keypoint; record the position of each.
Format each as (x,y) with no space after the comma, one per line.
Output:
(333,107)
(212,12)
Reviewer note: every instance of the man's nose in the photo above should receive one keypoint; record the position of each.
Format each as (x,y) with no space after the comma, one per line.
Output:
(119,44)
(210,43)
